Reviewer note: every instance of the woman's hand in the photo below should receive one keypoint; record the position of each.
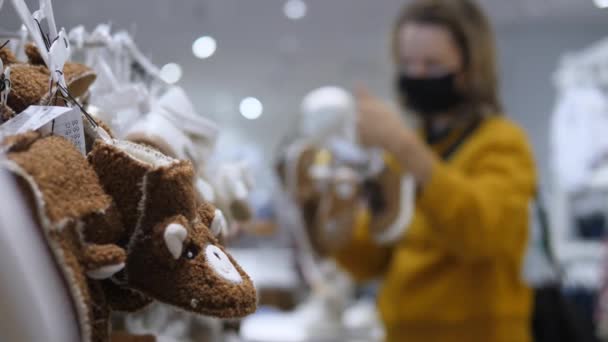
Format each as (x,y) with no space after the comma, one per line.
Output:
(379,125)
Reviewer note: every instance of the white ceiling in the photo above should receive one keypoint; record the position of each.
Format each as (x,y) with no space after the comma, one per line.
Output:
(262,53)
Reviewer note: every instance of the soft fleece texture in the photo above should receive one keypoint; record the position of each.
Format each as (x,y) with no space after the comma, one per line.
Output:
(30,81)
(72,210)
(7,56)
(152,197)
(78,77)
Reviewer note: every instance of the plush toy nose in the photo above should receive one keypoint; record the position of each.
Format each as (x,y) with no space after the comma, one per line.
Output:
(221,264)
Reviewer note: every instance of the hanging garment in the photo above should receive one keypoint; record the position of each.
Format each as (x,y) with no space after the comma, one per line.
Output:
(578,136)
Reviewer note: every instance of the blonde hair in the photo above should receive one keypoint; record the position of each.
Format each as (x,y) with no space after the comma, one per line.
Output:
(473,34)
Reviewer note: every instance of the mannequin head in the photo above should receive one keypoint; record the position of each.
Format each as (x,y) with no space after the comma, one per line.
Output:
(328,112)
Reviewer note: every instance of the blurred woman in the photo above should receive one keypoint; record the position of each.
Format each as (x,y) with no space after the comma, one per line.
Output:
(456,275)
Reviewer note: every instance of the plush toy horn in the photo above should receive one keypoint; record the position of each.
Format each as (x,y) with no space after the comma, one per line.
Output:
(218,225)
(175,234)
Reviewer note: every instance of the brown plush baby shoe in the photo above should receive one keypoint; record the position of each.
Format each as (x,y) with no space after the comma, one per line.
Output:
(30,81)
(7,56)
(30,84)
(78,77)
(172,255)
(76,217)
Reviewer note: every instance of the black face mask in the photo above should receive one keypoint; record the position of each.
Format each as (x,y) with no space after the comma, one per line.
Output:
(429,96)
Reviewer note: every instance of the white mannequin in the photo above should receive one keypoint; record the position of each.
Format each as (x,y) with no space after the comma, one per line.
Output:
(328,115)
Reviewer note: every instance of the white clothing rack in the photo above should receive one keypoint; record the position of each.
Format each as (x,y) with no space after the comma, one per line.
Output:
(581,76)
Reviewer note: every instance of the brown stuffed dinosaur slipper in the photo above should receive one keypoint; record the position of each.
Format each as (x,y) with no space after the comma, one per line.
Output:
(175,144)
(157,131)
(172,255)
(154,142)
(124,299)
(91,133)
(30,83)
(121,176)
(6,113)
(20,142)
(33,54)
(68,200)
(7,56)
(103,261)
(67,262)
(64,191)
(78,77)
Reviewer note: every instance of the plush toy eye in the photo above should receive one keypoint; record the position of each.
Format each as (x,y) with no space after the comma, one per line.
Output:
(191,251)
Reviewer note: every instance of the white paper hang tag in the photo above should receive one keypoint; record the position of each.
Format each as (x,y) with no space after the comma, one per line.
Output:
(32,118)
(70,126)
(67,123)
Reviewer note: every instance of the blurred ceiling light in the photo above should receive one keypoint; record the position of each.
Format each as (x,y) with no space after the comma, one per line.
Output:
(204,47)
(171,73)
(601,3)
(251,108)
(295,9)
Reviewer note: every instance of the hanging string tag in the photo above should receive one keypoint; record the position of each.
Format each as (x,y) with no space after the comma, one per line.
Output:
(58,55)
(45,11)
